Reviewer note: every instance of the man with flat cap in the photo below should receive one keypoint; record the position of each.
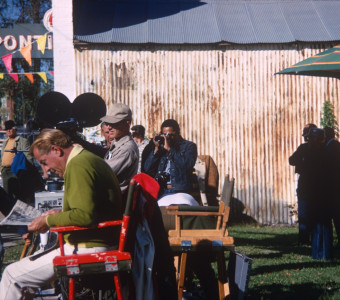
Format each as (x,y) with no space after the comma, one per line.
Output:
(123,154)
(11,145)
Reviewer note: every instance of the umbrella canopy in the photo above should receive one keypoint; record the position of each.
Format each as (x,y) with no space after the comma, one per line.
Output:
(324,64)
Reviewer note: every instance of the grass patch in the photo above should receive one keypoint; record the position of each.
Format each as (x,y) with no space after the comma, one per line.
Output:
(281,269)
(12,254)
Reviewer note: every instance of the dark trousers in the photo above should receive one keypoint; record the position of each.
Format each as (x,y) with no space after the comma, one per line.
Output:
(304,230)
(10,182)
(14,186)
(322,240)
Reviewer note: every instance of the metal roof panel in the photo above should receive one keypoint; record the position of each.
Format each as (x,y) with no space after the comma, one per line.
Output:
(269,23)
(328,12)
(130,22)
(209,21)
(165,23)
(304,22)
(233,23)
(199,24)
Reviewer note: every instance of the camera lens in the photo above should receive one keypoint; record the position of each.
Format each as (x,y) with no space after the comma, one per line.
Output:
(159,139)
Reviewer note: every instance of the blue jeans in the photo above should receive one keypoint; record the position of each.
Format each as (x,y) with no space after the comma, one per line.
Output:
(322,241)
(304,227)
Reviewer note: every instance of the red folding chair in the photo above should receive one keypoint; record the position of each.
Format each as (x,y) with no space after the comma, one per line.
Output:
(109,262)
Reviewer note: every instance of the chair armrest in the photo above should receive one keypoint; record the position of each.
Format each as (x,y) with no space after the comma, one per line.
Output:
(192,208)
(193,213)
(185,210)
(75,228)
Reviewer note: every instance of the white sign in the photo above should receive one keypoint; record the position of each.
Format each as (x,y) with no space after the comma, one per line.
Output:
(48,20)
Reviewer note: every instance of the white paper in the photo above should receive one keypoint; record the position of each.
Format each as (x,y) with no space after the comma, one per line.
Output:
(21,214)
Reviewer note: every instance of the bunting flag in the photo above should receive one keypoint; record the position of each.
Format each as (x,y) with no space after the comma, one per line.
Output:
(43,76)
(26,53)
(29,76)
(7,59)
(14,76)
(42,43)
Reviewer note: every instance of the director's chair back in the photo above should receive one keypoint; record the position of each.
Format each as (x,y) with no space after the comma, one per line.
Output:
(108,262)
(221,213)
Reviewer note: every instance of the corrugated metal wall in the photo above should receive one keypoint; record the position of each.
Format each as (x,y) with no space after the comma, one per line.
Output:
(227,100)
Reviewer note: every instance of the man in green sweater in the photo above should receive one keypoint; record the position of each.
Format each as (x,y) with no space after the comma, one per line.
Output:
(92,195)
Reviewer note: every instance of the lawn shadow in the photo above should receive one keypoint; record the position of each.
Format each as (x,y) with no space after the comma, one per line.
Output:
(280,243)
(236,215)
(291,266)
(291,291)
(279,251)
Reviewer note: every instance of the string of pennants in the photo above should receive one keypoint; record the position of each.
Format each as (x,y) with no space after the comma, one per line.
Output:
(26,53)
(15,76)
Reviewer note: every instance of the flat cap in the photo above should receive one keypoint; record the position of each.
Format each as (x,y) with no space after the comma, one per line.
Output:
(117,112)
(9,124)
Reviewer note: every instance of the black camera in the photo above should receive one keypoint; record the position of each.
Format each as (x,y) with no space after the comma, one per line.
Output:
(160,138)
(54,110)
(162,178)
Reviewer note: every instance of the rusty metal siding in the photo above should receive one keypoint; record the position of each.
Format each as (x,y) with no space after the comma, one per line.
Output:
(227,100)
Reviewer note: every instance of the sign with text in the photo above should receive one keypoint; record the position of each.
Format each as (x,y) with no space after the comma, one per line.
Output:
(21,35)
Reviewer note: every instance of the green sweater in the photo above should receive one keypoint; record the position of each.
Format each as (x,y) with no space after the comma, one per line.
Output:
(91,195)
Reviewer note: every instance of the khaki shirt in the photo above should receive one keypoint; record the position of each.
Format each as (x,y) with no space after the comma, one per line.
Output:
(21,144)
(122,157)
(7,157)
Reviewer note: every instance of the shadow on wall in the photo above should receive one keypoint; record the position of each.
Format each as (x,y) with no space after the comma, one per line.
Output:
(236,215)
(93,17)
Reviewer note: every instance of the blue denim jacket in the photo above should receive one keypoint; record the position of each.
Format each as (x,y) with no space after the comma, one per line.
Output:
(182,157)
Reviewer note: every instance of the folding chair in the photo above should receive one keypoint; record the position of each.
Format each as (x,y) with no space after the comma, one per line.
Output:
(108,262)
(214,240)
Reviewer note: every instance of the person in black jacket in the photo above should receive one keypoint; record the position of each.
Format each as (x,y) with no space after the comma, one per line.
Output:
(332,175)
(173,160)
(319,201)
(298,159)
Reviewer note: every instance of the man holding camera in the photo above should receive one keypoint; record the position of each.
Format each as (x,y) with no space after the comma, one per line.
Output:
(173,159)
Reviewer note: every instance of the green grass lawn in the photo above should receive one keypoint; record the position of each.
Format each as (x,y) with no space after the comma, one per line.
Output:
(283,270)
(280,268)
(12,254)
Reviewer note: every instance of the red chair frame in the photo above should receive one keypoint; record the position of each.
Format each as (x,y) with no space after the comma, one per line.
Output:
(114,261)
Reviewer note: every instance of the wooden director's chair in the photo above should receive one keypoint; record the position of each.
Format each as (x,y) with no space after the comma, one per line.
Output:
(217,240)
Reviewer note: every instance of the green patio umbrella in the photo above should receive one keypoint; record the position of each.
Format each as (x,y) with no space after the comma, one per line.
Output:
(324,64)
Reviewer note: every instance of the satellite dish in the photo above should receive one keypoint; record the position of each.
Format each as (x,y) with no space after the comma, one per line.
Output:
(52,108)
(88,108)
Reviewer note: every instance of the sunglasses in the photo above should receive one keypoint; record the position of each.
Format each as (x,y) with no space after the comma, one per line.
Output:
(114,124)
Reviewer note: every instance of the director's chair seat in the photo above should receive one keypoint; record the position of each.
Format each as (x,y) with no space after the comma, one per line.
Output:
(108,262)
